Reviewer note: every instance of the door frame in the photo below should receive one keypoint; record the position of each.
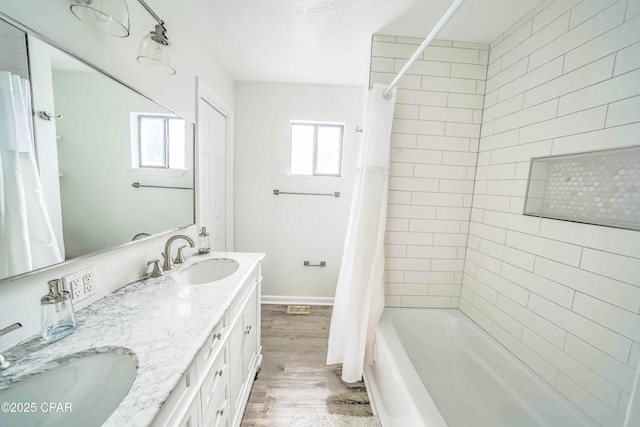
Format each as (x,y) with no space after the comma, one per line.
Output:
(209,96)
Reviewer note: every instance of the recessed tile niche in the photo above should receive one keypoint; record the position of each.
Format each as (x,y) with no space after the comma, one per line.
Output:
(600,187)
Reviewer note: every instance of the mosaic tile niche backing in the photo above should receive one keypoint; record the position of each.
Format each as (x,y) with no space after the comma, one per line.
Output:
(601,187)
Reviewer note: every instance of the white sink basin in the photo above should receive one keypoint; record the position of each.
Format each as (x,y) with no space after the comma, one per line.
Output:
(82,389)
(207,271)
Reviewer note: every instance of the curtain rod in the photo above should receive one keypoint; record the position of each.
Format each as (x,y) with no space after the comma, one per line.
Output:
(434,32)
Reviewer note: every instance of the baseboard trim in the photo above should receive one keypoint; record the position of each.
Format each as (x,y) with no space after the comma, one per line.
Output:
(282,299)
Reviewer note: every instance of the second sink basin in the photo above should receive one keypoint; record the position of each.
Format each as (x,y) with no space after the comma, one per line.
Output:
(207,271)
(79,389)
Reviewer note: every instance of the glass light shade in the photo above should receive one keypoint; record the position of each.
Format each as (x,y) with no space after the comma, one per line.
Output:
(107,16)
(157,56)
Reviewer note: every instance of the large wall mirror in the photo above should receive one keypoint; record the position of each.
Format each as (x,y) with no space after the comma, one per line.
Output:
(112,167)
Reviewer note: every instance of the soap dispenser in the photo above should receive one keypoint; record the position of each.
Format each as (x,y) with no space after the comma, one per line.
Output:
(203,241)
(58,316)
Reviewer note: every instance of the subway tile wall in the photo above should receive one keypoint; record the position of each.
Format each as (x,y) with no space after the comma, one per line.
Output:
(563,297)
(13,50)
(434,149)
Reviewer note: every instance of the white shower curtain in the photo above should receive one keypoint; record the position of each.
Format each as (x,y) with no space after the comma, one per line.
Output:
(359,298)
(27,240)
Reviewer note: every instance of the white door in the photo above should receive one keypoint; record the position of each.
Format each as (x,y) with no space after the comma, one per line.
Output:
(212,133)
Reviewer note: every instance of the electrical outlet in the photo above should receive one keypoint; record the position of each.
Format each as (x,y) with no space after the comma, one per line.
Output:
(81,284)
(87,280)
(75,290)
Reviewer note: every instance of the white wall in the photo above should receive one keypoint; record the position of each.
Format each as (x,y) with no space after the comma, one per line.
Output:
(20,298)
(289,228)
(563,297)
(434,146)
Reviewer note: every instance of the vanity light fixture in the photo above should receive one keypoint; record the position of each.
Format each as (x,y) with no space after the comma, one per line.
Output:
(107,16)
(112,17)
(155,51)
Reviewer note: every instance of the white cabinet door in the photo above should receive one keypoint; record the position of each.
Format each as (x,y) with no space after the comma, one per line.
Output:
(243,348)
(250,333)
(236,363)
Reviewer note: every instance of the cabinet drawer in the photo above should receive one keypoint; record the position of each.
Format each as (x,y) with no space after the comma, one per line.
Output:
(210,348)
(215,383)
(218,416)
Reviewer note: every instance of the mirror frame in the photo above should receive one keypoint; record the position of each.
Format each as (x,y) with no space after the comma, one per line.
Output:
(29,31)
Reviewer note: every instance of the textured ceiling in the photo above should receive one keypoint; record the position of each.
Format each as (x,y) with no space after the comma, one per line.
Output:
(328,41)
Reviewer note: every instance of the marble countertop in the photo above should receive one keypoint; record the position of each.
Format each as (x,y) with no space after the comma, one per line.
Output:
(162,322)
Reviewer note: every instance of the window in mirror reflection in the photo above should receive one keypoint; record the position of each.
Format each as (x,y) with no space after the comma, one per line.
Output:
(161,142)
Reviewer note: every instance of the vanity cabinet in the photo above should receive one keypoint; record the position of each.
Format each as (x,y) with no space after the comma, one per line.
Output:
(214,390)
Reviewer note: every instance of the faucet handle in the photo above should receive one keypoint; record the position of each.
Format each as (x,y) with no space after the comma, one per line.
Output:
(10,328)
(157,270)
(180,257)
(4,363)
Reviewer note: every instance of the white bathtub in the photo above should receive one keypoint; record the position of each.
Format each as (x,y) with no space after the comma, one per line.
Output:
(436,368)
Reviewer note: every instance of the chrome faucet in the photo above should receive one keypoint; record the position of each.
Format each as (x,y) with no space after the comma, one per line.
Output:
(168,262)
(4,363)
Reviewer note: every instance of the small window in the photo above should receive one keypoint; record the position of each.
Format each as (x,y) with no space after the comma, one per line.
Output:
(316,149)
(161,142)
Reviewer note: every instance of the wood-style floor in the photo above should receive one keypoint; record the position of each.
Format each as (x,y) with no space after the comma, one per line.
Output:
(294,378)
